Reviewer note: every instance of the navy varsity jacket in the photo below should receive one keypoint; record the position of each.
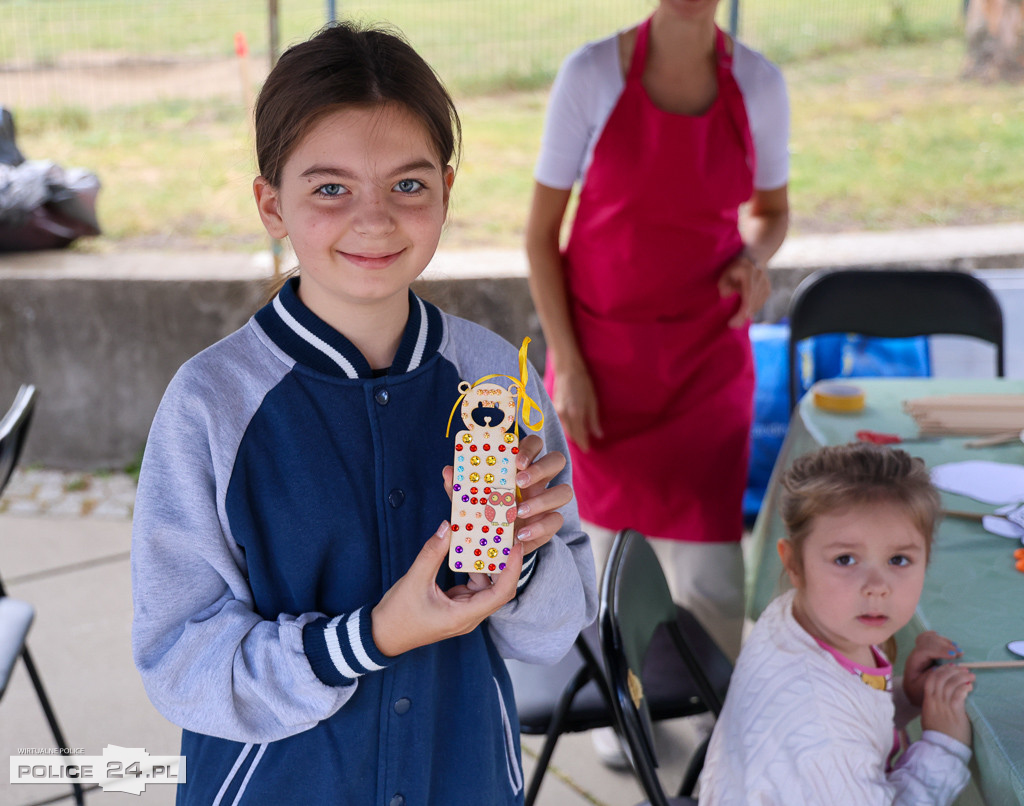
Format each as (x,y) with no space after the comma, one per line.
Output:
(284,489)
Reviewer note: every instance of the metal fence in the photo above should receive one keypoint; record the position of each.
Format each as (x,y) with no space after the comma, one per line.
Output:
(94,54)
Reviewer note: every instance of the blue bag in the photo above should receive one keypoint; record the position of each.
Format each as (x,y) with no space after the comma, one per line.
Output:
(833,355)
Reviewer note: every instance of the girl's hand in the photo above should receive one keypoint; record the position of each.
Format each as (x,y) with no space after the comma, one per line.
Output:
(744,277)
(929,649)
(576,404)
(537,518)
(416,612)
(945,692)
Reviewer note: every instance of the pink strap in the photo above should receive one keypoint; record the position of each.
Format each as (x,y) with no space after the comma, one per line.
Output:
(724,56)
(636,65)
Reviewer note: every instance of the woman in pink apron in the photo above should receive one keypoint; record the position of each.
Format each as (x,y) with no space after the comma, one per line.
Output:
(646,309)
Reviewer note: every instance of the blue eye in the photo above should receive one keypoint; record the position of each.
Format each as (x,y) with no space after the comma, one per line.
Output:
(409,186)
(330,190)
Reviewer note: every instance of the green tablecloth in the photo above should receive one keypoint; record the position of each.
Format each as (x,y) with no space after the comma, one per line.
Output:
(972,592)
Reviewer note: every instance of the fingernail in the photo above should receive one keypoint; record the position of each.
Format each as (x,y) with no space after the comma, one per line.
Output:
(952,652)
(442,533)
(522,510)
(525,534)
(523,479)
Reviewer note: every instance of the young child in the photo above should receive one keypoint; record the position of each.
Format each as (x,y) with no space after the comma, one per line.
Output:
(810,716)
(293,612)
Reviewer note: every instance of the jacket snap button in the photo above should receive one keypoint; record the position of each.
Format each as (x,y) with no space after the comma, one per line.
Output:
(396,498)
(403,705)
(382,396)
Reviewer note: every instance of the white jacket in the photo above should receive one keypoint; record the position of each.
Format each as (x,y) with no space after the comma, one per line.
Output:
(798,729)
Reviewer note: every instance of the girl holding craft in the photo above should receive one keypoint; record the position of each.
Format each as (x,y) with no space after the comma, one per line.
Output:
(669,127)
(812,709)
(291,609)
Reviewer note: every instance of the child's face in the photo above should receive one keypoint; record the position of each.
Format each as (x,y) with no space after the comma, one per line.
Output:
(862,575)
(363,198)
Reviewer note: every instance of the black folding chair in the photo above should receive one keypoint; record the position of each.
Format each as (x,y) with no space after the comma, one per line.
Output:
(15,615)
(568,697)
(641,628)
(892,303)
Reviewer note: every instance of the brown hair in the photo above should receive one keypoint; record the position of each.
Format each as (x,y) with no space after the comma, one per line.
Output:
(836,477)
(344,66)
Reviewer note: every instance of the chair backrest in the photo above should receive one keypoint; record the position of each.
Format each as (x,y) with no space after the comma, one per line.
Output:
(637,611)
(13,430)
(892,303)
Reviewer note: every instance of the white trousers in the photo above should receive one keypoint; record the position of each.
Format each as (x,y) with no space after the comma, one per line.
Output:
(705,578)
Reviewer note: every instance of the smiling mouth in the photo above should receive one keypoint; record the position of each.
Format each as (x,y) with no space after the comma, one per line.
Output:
(372,261)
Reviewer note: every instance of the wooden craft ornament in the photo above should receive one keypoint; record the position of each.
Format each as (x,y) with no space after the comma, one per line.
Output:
(484,492)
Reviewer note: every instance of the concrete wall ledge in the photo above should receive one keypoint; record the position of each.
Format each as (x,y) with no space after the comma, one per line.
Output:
(100,335)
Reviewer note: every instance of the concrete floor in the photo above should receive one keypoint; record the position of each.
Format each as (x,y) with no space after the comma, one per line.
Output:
(75,571)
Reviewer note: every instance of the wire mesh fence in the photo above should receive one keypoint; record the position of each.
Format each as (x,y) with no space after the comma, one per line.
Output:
(95,54)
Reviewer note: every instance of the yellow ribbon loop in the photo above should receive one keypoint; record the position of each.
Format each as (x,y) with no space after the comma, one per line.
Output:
(523,400)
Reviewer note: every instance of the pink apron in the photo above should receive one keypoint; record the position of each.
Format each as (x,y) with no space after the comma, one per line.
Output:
(657,222)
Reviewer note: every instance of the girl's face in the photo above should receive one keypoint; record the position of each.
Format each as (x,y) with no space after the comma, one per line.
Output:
(363,198)
(861,576)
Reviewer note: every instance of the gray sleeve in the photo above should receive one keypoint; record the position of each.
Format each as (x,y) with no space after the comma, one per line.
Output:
(541,623)
(209,663)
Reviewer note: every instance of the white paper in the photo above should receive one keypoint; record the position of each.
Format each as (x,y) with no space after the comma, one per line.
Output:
(1016,647)
(1002,527)
(989,482)
(1014,513)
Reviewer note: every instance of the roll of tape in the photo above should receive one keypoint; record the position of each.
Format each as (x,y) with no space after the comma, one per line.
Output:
(838,397)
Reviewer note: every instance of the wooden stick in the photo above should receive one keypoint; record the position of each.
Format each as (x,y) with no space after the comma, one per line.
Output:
(992,664)
(997,439)
(971,516)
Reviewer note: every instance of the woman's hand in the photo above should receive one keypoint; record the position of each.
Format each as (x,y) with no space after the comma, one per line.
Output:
(744,277)
(945,694)
(415,611)
(576,404)
(929,649)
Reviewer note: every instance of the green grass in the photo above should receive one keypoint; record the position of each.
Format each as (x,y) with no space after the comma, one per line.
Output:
(882,137)
(894,138)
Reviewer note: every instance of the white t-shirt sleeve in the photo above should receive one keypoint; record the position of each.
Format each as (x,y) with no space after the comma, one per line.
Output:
(588,86)
(767,102)
(583,96)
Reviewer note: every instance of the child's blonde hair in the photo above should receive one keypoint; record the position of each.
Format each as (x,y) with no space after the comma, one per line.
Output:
(834,478)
